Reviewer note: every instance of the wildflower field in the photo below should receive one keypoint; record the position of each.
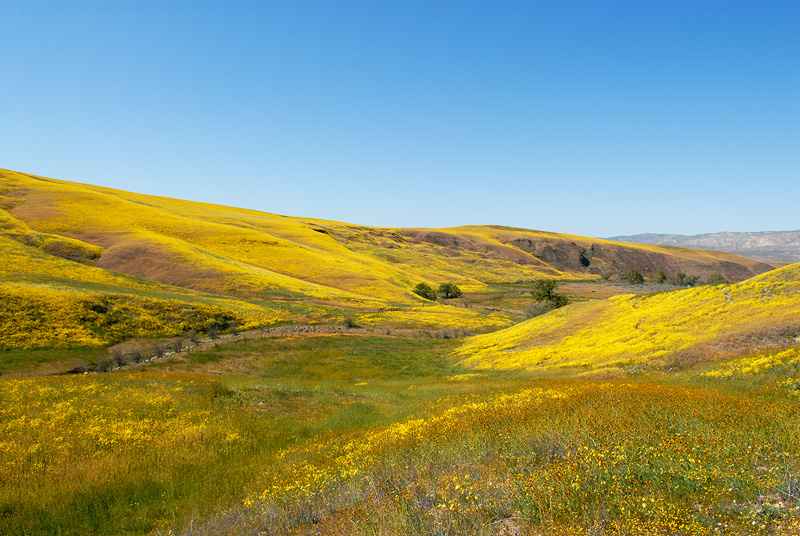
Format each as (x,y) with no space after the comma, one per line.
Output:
(346,434)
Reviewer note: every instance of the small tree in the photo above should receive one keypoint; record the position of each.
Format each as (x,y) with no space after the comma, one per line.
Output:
(634,277)
(691,280)
(680,278)
(716,279)
(425,291)
(194,337)
(449,290)
(213,332)
(544,291)
(661,277)
(119,358)
(104,363)
(136,355)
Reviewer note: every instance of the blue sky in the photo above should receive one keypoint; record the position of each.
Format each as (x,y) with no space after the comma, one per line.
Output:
(592,118)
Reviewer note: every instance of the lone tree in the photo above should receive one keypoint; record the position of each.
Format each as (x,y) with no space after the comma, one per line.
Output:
(544,290)
(449,290)
(424,290)
(634,277)
(691,280)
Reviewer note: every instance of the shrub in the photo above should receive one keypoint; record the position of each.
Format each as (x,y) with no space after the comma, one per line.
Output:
(449,290)
(660,277)
(634,277)
(104,363)
(213,333)
(544,291)
(119,358)
(136,356)
(349,322)
(194,338)
(425,291)
(716,279)
(538,308)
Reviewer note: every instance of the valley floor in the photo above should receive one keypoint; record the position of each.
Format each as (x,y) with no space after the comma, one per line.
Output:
(342,433)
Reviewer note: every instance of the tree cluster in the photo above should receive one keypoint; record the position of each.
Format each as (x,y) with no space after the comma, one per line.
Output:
(446,291)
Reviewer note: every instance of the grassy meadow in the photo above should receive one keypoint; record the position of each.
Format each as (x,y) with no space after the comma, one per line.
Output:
(356,434)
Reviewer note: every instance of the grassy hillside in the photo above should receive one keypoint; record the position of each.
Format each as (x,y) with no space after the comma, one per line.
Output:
(659,330)
(254,254)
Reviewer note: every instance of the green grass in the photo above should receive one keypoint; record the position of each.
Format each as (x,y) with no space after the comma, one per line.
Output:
(291,391)
(293,404)
(20,361)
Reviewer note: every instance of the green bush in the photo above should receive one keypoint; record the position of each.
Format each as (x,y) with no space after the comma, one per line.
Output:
(538,308)
(634,277)
(425,291)
(449,290)
(716,279)
(544,291)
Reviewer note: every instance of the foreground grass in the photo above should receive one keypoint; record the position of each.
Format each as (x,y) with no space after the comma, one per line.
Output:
(567,457)
(129,452)
(382,435)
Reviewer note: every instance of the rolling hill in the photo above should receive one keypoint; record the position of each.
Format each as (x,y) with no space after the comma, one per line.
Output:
(666,330)
(84,264)
(252,254)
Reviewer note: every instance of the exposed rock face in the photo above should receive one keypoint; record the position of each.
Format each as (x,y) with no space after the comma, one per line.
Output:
(580,255)
(778,246)
(617,258)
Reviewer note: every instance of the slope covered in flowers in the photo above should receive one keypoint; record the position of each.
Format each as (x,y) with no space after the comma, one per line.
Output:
(631,330)
(49,301)
(254,254)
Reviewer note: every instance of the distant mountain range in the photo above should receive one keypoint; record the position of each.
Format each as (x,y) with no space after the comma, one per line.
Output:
(769,246)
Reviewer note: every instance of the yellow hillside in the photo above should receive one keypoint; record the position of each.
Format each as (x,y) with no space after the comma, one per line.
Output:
(252,254)
(46,300)
(221,249)
(636,329)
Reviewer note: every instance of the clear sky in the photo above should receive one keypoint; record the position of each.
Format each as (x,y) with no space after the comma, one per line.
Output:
(594,118)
